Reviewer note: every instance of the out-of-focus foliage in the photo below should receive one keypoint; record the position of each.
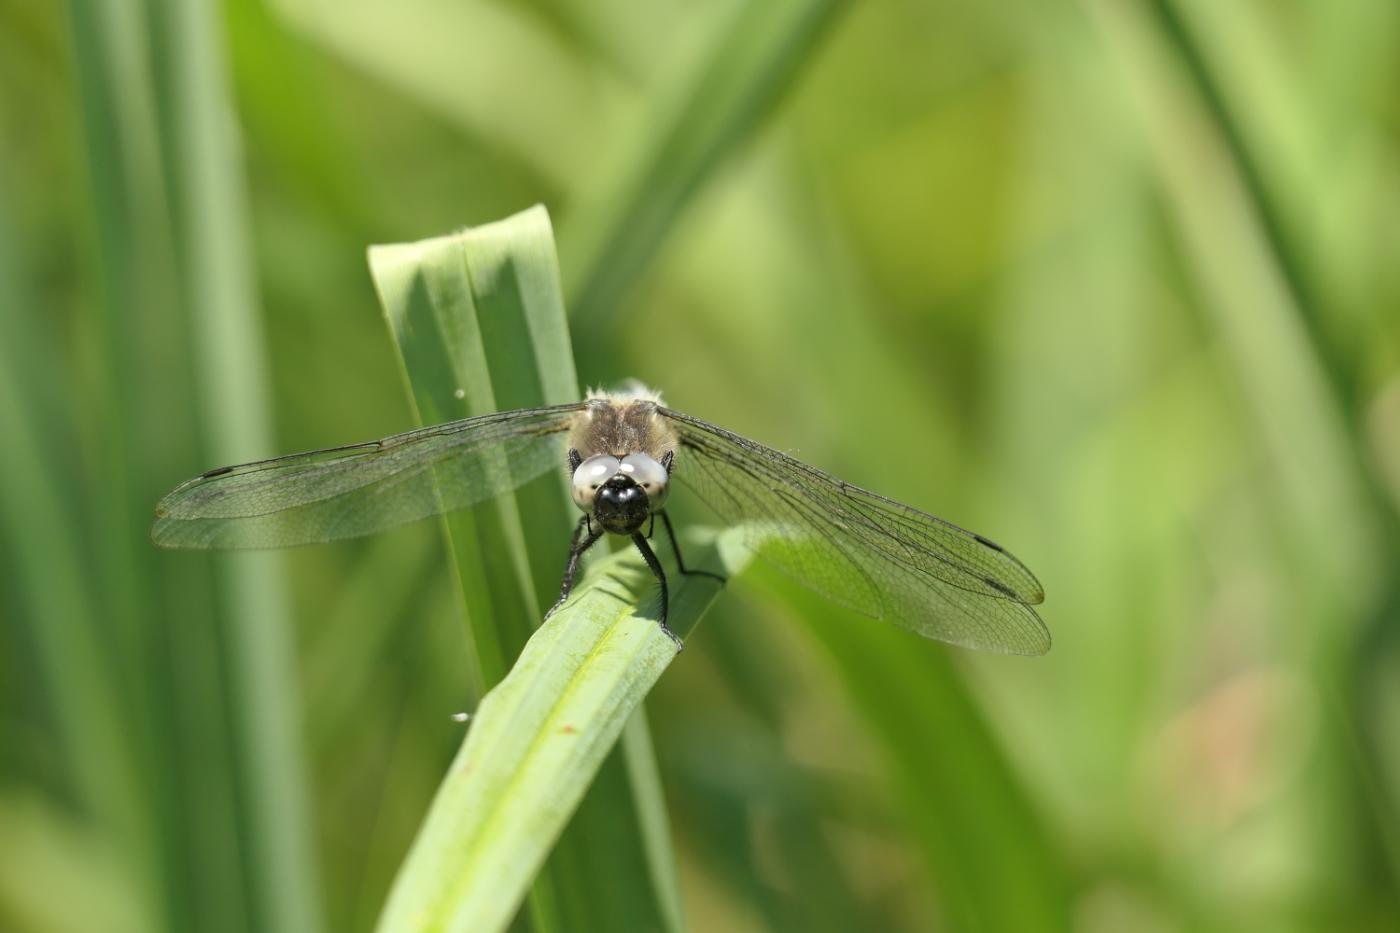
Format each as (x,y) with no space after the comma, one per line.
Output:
(1112,281)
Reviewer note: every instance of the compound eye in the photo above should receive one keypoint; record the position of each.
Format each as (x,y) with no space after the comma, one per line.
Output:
(590,477)
(649,475)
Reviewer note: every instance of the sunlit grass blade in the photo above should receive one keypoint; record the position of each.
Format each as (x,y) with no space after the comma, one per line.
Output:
(536,741)
(625,217)
(479,322)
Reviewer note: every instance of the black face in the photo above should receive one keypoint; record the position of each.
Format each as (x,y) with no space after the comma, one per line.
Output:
(621,505)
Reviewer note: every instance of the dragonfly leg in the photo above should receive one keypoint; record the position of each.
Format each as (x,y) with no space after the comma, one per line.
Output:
(650,557)
(577,546)
(675,546)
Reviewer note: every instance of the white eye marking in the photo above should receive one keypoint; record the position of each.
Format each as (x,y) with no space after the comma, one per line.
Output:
(590,475)
(649,475)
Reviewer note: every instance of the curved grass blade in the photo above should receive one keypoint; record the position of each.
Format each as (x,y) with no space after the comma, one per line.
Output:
(537,740)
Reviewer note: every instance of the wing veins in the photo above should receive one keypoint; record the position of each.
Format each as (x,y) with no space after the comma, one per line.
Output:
(833,491)
(710,461)
(389,461)
(940,580)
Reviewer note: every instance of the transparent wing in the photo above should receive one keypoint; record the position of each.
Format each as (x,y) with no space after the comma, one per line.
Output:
(862,550)
(344,492)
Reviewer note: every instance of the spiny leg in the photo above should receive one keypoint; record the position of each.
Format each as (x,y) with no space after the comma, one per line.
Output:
(650,557)
(675,546)
(577,546)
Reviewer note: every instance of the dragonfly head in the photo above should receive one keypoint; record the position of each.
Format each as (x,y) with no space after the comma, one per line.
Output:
(621,506)
(620,493)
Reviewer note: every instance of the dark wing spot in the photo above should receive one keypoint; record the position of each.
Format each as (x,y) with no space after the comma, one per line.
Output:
(219,472)
(1001,587)
(988,542)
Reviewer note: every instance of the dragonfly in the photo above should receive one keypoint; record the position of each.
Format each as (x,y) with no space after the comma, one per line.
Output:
(622,450)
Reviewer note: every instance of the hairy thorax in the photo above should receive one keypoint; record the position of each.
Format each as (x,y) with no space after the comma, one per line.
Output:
(619,424)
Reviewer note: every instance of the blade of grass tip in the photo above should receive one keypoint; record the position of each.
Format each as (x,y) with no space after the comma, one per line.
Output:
(479,340)
(479,323)
(623,220)
(219,292)
(537,740)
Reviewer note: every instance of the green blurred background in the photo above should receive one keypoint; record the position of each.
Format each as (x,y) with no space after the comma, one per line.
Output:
(1114,282)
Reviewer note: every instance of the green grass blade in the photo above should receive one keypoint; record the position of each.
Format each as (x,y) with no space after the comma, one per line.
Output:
(42,529)
(615,232)
(534,744)
(1297,387)
(1245,288)
(479,322)
(210,714)
(220,296)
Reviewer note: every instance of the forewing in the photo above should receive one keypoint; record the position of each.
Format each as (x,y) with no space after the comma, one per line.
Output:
(344,492)
(862,550)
